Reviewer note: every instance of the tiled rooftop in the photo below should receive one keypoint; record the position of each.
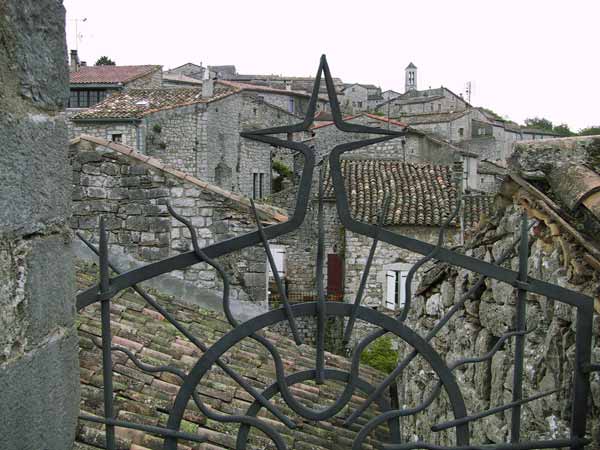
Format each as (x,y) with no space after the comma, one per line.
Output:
(420,194)
(109,74)
(136,103)
(147,398)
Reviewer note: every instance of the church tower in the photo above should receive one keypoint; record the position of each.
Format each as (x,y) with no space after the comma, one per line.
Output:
(410,78)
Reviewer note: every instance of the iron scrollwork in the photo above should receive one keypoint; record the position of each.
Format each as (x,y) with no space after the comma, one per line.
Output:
(320,309)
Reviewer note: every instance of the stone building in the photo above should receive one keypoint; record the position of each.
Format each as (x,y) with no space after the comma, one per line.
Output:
(197,131)
(438,100)
(555,182)
(39,372)
(421,197)
(131,190)
(475,131)
(416,146)
(359,97)
(89,85)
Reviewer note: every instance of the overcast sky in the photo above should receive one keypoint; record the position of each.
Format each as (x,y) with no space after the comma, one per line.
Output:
(524,58)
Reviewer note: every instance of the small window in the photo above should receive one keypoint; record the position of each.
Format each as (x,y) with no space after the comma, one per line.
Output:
(291,105)
(258,181)
(395,289)
(439,107)
(461,132)
(279,259)
(118,138)
(359,104)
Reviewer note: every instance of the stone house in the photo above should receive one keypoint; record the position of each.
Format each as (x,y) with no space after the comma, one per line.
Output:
(359,97)
(473,130)
(417,146)
(191,70)
(438,100)
(390,94)
(197,131)
(422,197)
(187,75)
(131,190)
(89,85)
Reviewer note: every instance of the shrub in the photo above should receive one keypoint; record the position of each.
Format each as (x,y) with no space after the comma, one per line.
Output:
(380,355)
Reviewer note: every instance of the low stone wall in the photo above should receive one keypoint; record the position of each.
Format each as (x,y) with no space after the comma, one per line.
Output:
(133,196)
(479,324)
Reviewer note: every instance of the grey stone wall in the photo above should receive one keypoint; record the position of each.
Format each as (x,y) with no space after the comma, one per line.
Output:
(39,375)
(478,325)
(172,136)
(152,80)
(132,196)
(105,130)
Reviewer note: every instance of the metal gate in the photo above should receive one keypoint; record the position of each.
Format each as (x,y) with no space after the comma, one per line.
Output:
(321,310)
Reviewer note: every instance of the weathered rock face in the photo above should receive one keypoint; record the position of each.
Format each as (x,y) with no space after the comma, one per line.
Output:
(39,377)
(478,326)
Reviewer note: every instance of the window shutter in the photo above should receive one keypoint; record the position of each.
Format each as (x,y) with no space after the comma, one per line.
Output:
(390,297)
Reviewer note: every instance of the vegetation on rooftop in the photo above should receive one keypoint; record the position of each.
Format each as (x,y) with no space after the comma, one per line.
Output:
(380,355)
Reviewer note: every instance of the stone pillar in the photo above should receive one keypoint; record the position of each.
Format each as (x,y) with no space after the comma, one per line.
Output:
(39,377)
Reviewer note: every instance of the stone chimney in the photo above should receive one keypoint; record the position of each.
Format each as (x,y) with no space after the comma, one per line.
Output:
(83,64)
(74,65)
(208,88)
(458,175)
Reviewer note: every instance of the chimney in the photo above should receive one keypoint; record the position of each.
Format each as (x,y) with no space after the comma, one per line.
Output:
(208,86)
(83,63)
(74,66)
(458,175)
(288,85)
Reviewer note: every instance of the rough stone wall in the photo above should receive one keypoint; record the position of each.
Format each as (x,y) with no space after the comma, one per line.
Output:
(387,257)
(172,136)
(39,375)
(132,196)
(414,148)
(152,80)
(479,324)
(127,130)
(227,150)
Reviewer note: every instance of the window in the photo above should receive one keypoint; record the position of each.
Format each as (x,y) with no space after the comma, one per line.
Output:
(291,105)
(258,182)
(439,107)
(279,260)
(359,104)
(461,132)
(118,138)
(84,98)
(395,289)
(432,107)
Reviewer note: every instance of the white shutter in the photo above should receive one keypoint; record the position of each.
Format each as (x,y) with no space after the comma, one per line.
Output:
(279,259)
(401,288)
(390,296)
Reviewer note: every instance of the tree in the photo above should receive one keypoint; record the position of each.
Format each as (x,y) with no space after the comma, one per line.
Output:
(590,131)
(105,61)
(563,129)
(539,123)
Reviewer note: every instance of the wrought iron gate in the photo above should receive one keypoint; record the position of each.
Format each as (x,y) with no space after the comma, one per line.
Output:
(320,309)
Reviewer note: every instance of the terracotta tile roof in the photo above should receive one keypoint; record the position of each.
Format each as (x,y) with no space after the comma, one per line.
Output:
(136,103)
(475,206)
(386,120)
(417,119)
(110,74)
(420,194)
(269,213)
(147,398)
(180,78)
(259,88)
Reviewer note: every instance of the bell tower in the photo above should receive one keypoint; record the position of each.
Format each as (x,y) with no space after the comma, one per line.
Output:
(410,78)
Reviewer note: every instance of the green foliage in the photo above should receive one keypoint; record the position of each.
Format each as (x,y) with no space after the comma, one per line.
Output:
(157,128)
(378,113)
(539,123)
(283,173)
(491,113)
(563,129)
(282,169)
(590,131)
(105,61)
(380,355)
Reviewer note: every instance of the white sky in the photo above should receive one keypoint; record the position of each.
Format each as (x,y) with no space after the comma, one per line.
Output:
(524,58)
